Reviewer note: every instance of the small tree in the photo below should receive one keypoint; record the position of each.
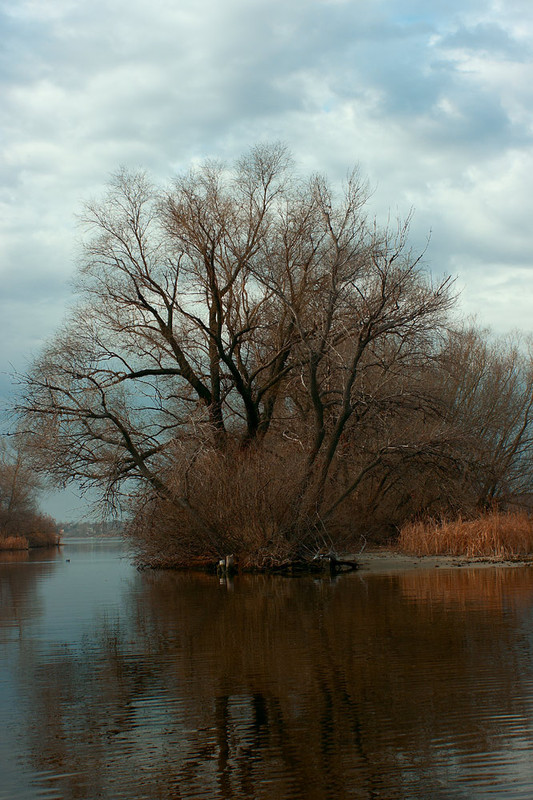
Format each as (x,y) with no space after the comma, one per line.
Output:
(18,489)
(487,384)
(20,519)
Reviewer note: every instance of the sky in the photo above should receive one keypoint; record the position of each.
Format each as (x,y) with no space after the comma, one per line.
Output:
(433,101)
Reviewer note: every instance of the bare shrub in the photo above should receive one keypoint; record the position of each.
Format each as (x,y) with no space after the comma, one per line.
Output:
(41,531)
(37,530)
(243,502)
(494,534)
(20,519)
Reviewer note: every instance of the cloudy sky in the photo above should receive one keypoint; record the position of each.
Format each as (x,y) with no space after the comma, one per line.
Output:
(434,101)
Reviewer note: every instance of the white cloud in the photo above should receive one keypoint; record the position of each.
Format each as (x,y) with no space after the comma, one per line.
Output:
(434,100)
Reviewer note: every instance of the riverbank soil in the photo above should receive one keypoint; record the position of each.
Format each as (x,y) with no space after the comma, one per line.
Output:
(390,560)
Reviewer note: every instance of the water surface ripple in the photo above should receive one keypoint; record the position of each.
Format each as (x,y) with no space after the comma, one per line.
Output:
(119,684)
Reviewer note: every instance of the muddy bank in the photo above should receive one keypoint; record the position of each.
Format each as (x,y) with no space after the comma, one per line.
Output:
(388,560)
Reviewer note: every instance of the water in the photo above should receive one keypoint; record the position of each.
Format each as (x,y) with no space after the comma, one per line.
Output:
(119,684)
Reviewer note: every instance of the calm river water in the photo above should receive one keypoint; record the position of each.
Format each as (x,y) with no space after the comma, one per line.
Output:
(119,684)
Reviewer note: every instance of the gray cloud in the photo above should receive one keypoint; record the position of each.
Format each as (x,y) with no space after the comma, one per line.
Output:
(489,38)
(434,100)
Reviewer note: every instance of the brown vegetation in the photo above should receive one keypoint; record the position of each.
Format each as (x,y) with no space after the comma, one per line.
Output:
(21,524)
(256,368)
(495,534)
(14,543)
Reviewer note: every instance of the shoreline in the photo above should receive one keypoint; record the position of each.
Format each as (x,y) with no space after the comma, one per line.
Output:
(385,560)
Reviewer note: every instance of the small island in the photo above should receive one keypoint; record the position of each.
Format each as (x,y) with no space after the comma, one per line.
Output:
(257,374)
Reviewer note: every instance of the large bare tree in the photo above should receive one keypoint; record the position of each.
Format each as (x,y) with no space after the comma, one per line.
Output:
(245,313)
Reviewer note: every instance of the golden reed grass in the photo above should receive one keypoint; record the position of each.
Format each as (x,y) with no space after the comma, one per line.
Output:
(496,534)
(14,543)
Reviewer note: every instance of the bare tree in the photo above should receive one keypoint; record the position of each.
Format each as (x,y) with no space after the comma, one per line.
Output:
(18,485)
(20,518)
(487,384)
(243,313)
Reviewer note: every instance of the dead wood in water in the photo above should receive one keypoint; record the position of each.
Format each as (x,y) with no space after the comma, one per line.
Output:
(317,565)
(230,565)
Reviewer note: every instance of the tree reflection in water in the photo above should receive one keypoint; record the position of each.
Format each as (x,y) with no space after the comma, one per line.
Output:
(415,685)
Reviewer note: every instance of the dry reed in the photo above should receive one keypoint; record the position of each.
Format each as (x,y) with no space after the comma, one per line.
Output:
(14,543)
(496,534)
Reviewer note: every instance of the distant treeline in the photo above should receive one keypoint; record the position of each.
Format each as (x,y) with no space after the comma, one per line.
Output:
(90,529)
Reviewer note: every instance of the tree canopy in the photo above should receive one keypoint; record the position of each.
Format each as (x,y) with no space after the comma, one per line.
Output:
(257,366)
